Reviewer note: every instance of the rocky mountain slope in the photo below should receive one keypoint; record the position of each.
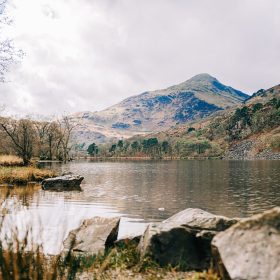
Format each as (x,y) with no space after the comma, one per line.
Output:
(263,96)
(247,131)
(157,110)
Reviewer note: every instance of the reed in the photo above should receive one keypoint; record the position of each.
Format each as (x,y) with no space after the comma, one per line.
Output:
(10,160)
(123,263)
(23,175)
(22,259)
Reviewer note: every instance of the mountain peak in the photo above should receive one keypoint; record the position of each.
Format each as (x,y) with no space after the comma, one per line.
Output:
(207,87)
(202,77)
(158,110)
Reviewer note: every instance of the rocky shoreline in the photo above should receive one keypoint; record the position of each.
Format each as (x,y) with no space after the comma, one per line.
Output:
(246,150)
(194,240)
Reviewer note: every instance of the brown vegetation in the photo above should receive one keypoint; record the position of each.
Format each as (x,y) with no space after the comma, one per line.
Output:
(23,175)
(10,160)
(123,263)
(27,139)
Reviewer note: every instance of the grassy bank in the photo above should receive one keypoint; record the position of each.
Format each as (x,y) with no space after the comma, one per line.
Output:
(118,263)
(23,175)
(10,160)
(125,263)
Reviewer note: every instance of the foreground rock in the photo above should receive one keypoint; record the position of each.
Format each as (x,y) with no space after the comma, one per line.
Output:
(94,236)
(184,239)
(250,249)
(63,183)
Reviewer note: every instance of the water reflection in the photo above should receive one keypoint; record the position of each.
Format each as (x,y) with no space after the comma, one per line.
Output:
(136,191)
(233,188)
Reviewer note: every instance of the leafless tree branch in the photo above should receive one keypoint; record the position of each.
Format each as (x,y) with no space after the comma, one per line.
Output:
(8,53)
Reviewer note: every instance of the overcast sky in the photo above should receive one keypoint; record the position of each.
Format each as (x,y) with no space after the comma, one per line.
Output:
(90,54)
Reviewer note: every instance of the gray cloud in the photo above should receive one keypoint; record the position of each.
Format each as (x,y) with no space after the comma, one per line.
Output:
(90,54)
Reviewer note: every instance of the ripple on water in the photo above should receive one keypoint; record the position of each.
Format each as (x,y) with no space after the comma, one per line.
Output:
(136,190)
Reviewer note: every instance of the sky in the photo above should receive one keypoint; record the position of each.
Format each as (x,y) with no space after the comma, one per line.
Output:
(86,55)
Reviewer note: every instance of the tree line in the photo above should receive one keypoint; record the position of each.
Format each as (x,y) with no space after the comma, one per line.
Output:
(152,148)
(27,139)
(211,140)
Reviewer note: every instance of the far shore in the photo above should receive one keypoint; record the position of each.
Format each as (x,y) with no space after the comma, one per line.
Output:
(142,158)
(125,158)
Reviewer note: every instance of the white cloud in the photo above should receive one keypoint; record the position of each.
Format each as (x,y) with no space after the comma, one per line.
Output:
(90,54)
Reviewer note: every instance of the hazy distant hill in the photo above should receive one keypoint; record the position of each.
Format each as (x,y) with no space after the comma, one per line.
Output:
(158,110)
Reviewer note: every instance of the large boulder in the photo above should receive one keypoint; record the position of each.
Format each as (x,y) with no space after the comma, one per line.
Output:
(94,236)
(250,249)
(63,183)
(184,239)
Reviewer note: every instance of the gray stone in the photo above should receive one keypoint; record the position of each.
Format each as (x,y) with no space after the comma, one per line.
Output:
(240,151)
(94,236)
(184,239)
(63,183)
(250,249)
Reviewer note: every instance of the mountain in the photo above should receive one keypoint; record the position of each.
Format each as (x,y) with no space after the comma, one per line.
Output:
(158,110)
(264,95)
(247,131)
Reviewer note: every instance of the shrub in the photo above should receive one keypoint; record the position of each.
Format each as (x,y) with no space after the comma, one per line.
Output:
(190,129)
(275,143)
(257,107)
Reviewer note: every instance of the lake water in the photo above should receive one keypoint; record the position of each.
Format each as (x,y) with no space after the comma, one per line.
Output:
(148,191)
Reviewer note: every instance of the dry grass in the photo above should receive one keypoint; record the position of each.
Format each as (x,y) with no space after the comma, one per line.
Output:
(125,263)
(21,264)
(207,275)
(118,263)
(23,175)
(17,262)
(34,265)
(10,160)
(120,274)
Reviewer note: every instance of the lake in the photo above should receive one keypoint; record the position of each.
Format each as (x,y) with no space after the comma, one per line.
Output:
(147,191)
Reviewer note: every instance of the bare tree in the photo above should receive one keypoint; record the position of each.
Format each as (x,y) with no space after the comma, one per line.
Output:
(41,128)
(8,53)
(5,147)
(66,127)
(22,135)
(48,134)
(53,138)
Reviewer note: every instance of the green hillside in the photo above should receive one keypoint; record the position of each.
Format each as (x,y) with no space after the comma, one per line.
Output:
(251,130)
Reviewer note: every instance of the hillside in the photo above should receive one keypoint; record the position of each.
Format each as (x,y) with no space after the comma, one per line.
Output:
(158,110)
(263,96)
(247,131)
